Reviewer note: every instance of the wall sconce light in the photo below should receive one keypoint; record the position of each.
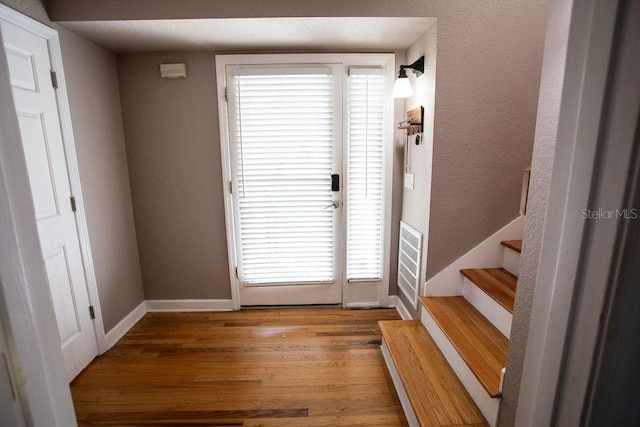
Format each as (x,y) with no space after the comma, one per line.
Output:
(402,87)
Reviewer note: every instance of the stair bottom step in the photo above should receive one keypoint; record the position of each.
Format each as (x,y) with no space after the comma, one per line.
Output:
(436,396)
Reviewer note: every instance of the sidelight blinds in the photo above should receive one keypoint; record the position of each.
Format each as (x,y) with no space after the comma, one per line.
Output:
(365,173)
(287,127)
(284,161)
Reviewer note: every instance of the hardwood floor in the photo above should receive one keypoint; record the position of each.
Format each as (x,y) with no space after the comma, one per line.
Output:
(276,367)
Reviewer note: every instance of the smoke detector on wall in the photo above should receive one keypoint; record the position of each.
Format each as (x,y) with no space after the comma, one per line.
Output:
(173,71)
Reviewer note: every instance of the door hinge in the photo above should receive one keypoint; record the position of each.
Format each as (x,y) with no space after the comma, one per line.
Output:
(231,187)
(74,207)
(237,277)
(92,312)
(226,99)
(54,79)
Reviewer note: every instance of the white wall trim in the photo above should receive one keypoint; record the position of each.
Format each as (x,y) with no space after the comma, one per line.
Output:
(393,300)
(400,307)
(76,189)
(125,325)
(488,253)
(158,305)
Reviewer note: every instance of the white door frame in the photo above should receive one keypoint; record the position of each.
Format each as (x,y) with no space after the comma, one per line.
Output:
(347,59)
(26,313)
(591,166)
(64,112)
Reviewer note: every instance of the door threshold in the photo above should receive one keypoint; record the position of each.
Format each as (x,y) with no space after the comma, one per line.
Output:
(275,307)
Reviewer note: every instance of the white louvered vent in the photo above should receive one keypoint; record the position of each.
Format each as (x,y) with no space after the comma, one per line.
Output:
(409,256)
(365,171)
(284,160)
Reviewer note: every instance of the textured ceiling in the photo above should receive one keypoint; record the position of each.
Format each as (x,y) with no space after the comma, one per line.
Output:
(250,34)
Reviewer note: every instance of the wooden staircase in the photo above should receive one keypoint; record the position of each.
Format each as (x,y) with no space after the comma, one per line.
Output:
(448,366)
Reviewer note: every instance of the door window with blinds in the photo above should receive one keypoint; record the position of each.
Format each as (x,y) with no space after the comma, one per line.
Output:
(307,147)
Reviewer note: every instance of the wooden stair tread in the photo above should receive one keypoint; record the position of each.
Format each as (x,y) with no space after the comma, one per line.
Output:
(437,396)
(479,343)
(516,245)
(498,283)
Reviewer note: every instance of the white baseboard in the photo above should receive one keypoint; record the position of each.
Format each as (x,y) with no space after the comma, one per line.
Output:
(488,253)
(123,326)
(396,301)
(155,305)
(393,300)
(356,305)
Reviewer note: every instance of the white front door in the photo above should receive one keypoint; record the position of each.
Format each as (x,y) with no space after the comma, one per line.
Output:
(307,148)
(37,111)
(286,157)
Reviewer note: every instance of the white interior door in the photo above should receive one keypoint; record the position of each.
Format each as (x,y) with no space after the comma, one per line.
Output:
(285,147)
(37,111)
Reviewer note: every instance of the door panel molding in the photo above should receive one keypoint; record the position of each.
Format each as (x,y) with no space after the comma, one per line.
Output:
(55,56)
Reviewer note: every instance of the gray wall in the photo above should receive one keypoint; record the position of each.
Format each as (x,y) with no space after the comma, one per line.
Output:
(97,127)
(552,80)
(173,147)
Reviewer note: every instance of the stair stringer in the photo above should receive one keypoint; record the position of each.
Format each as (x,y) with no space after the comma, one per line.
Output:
(487,254)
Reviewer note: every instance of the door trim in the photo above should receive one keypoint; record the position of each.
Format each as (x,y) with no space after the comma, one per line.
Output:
(359,59)
(55,55)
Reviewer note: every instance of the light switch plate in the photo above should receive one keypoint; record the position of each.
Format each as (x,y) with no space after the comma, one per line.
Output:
(409,179)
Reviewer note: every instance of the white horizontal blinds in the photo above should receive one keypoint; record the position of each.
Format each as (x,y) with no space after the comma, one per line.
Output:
(365,102)
(284,164)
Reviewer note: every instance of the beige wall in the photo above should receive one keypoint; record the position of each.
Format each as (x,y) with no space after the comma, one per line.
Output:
(97,127)
(552,81)
(173,147)
(416,201)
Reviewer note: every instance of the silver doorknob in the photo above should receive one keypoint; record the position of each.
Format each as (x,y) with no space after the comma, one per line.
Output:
(335,205)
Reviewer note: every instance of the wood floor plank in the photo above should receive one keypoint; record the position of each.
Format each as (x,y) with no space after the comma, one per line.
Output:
(498,283)
(285,367)
(479,343)
(434,391)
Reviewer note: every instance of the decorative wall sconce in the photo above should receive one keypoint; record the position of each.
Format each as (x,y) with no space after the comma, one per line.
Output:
(402,87)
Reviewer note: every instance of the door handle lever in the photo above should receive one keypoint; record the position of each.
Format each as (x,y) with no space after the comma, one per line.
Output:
(335,204)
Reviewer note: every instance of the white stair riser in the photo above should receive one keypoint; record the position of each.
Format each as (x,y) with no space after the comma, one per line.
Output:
(497,314)
(397,382)
(511,261)
(487,405)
